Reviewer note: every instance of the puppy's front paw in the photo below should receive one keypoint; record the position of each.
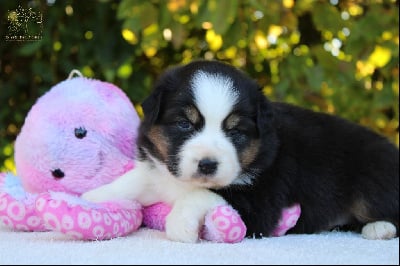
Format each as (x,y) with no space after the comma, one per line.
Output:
(182,227)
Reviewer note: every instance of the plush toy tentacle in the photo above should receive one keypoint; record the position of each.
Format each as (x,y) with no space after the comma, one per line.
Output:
(288,219)
(17,207)
(19,216)
(223,224)
(88,221)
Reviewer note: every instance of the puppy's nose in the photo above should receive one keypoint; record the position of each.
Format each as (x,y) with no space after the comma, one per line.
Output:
(207,166)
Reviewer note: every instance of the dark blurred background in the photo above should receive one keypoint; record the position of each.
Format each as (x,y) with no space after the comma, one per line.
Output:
(337,56)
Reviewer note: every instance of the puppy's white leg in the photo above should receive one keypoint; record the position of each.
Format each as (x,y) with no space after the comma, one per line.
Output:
(128,186)
(184,221)
(379,230)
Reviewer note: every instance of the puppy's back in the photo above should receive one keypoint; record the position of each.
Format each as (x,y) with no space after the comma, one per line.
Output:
(352,171)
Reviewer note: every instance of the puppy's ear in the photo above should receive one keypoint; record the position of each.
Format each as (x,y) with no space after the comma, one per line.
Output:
(265,115)
(151,106)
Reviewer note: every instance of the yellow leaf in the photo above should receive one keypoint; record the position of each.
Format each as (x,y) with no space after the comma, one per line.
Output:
(261,40)
(88,35)
(231,52)
(57,46)
(184,19)
(380,56)
(10,165)
(275,30)
(214,40)
(380,122)
(87,71)
(174,5)
(8,150)
(139,110)
(288,3)
(150,51)
(364,69)
(124,71)
(268,90)
(149,30)
(129,36)
(355,10)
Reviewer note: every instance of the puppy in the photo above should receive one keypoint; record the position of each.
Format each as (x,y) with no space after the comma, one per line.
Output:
(209,136)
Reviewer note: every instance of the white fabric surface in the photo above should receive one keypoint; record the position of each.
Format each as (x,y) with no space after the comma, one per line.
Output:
(151,247)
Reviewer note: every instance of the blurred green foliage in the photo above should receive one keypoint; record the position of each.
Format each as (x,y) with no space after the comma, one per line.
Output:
(337,56)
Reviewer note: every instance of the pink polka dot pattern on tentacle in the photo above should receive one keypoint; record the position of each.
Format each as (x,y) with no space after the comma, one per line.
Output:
(288,220)
(223,224)
(19,216)
(86,223)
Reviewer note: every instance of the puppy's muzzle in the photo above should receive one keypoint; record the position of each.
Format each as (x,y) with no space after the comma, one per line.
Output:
(207,166)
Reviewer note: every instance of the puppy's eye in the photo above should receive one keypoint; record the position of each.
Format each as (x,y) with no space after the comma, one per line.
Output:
(80,132)
(184,125)
(237,136)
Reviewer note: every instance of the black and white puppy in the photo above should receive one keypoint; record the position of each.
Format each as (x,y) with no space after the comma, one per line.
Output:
(210,135)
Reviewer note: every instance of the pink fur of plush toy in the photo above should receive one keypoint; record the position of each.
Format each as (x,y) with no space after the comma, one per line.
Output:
(79,135)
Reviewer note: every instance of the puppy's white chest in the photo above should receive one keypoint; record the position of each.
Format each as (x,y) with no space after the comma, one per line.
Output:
(161,186)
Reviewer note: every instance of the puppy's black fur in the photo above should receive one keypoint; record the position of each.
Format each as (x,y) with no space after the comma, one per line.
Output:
(341,173)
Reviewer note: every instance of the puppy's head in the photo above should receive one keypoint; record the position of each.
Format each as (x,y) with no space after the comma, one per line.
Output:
(205,122)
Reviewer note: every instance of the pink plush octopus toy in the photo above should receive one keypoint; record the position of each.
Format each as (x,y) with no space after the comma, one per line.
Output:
(80,135)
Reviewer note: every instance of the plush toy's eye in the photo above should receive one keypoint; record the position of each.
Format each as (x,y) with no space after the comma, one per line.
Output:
(80,132)
(57,173)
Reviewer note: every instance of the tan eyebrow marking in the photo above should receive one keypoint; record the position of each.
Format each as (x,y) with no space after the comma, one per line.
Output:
(232,121)
(192,114)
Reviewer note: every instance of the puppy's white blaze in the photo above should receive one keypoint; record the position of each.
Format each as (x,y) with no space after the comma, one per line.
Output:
(214,97)
(209,143)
